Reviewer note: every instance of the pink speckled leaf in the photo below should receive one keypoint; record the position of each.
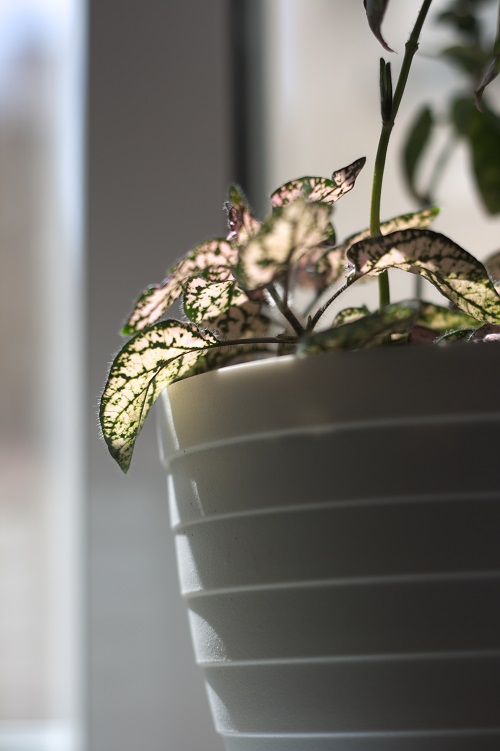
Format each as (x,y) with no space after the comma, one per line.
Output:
(331,266)
(241,222)
(319,189)
(282,240)
(214,256)
(452,270)
(224,308)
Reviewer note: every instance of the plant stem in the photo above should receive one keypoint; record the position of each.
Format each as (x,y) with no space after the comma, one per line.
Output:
(285,310)
(385,135)
(315,318)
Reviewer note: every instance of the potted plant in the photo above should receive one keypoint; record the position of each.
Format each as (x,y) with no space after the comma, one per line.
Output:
(334,483)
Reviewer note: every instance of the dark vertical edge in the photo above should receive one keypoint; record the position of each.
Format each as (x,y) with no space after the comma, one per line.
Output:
(247,86)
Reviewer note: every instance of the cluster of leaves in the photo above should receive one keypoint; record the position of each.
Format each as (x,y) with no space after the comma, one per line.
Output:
(240,294)
(477,57)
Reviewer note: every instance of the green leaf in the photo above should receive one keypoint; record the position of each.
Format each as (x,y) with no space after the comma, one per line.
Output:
(415,145)
(212,255)
(332,265)
(241,222)
(469,59)
(464,22)
(370,331)
(482,133)
(319,189)
(375,11)
(141,370)
(452,270)
(280,243)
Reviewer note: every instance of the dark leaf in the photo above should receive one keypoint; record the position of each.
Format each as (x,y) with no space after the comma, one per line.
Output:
(416,142)
(470,60)
(452,270)
(463,21)
(492,70)
(422,335)
(375,11)
(489,75)
(482,133)
(487,333)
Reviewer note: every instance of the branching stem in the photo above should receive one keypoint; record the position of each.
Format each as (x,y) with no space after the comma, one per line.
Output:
(285,311)
(315,318)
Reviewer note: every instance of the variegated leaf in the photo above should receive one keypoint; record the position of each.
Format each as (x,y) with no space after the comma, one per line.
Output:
(280,243)
(370,331)
(319,189)
(241,322)
(224,308)
(204,301)
(456,273)
(438,318)
(332,265)
(156,300)
(306,269)
(348,315)
(241,222)
(141,370)
(375,11)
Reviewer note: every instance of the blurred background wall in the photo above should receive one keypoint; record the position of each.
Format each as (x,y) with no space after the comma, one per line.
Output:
(159,162)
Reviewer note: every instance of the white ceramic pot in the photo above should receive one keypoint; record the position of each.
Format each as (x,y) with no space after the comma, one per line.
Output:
(337,524)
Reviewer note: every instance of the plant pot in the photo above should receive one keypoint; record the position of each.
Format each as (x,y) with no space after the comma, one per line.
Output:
(337,526)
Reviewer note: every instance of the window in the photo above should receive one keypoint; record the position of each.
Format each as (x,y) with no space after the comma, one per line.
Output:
(41,190)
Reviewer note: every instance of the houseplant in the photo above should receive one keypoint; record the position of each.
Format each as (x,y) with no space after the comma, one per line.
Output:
(287,550)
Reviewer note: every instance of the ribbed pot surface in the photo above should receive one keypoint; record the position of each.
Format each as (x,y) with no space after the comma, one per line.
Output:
(337,524)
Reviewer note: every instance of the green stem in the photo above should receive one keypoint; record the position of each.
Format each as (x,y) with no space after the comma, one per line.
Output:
(385,135)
